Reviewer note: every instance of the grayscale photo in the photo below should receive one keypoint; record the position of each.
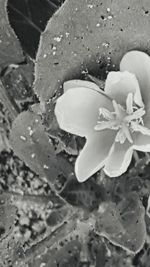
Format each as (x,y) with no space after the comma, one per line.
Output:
(74,133)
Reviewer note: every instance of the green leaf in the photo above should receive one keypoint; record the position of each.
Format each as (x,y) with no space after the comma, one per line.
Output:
(7,216)
(8,102)
(10,49)
(87,195)
(88,37)
(57,216)
(32,145)
(65,256)
(7,223)
(17,86)
(123,224)
(62,247)
(18,80)
(54,248)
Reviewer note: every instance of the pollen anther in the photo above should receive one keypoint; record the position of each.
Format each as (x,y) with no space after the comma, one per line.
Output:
(124,120)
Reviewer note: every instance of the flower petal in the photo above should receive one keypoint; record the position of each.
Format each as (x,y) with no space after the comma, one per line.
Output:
(119,159)
(77,110)
(72,84)
(93,156)
(142,141)
(79,83)
(138,63)
(120,84)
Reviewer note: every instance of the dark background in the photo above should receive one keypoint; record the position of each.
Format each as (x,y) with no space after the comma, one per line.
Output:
(29,18)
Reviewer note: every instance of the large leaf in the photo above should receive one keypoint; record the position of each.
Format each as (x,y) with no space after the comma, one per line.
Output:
(31,143)
(88,36)
(33,146)
(10,49)
(123,224)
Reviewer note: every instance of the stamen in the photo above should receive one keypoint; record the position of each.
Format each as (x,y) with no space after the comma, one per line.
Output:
(125,121)
(127,133)
(139,128)
(119,110)
(129,103)
(116,108)
(136,115)
(102,125)
(120,137)
(106,114)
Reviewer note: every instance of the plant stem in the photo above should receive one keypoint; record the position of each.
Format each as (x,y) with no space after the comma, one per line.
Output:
(136,156)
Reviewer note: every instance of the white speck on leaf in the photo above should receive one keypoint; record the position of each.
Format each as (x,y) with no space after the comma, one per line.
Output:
(33,155)
(67,34)
(22,137)
(45,167)
(90,6)
(30,130)
(105,44)
(58,38)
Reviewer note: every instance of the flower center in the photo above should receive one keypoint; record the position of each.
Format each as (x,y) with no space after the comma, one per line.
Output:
(124,120)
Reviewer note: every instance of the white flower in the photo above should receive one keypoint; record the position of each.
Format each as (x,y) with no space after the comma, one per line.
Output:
(114,121)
